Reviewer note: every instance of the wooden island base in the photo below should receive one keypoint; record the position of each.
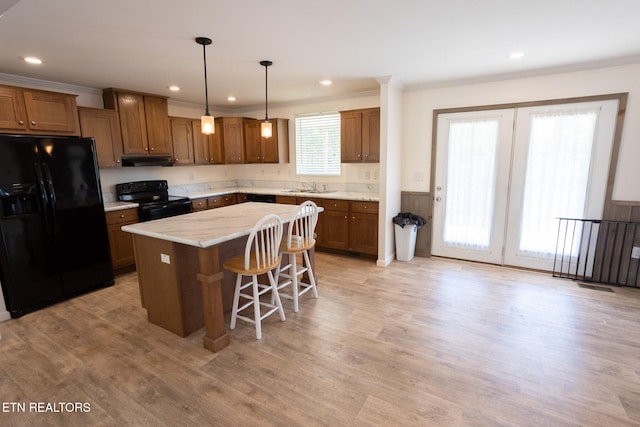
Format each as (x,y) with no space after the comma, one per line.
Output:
(179,261)
(175,279)
(185,288)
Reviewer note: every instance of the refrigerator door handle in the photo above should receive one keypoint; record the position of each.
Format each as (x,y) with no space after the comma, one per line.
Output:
(44,195)
(51,192)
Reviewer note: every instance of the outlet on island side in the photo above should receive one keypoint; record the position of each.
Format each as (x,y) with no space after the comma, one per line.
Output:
(635,252)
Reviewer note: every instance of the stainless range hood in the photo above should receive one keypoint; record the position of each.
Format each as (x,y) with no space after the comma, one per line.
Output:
(147,161)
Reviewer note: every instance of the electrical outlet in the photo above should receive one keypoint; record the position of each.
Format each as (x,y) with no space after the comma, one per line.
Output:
(419,176)
(165,258)
(635,252)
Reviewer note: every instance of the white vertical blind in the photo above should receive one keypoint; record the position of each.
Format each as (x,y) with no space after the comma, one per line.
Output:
(470,182)
(318,144)
(557,176)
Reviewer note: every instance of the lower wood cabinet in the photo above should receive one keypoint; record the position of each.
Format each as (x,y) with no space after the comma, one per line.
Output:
(120,242)
(349,225)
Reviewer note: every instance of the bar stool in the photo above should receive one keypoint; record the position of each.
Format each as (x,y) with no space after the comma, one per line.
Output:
(261,256)
(299,240)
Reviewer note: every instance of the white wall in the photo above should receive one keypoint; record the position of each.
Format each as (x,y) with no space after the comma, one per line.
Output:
(418,106)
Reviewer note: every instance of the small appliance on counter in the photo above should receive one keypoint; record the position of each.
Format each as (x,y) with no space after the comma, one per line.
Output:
(53,232)
(153,199)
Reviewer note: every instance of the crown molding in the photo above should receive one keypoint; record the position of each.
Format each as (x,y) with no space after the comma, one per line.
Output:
(29,82)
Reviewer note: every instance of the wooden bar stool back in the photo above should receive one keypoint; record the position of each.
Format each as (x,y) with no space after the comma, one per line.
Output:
(299,240)
(261,256)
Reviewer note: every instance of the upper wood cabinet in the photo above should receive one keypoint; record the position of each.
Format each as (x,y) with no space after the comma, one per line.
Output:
(200,144)
(182,139)
(144,121)
(227,143)
(37,112)
(360,135)
(267,150)
(104,127)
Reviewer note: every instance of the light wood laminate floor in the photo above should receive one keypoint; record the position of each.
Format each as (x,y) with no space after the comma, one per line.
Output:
(426,342)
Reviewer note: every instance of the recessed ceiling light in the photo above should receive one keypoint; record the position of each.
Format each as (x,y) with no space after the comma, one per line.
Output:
(516,55)
(231,98)
(174,88)
(33,60)
(326,82)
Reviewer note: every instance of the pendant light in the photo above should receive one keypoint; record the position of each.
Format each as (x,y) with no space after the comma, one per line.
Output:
(206,121)
(265,127)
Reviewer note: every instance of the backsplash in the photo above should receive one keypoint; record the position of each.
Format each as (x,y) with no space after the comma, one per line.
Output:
(253,183)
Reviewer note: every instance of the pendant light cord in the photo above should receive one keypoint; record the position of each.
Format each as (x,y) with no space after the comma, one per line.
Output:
(206,87)
(266,94)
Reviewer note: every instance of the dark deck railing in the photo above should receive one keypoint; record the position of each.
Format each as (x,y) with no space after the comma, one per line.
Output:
(597,251)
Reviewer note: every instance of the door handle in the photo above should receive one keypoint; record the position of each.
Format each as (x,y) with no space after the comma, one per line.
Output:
(438,199)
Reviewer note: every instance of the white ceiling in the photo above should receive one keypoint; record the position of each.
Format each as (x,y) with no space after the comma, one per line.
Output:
(147,45)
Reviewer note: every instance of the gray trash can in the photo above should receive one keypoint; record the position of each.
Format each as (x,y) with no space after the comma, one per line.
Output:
(406,229)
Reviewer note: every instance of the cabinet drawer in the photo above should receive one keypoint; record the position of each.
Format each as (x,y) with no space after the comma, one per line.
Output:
(229,199)
(122,216)
(199,204)
(215,202)
(364,207)
(335,205)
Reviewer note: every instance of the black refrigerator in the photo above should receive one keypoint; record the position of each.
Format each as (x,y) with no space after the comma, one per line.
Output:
(52,224)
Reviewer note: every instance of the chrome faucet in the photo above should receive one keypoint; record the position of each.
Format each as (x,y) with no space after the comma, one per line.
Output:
(310,185)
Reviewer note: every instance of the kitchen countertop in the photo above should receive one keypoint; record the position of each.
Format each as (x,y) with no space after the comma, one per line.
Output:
(213,226)
(116,206)
(341,195)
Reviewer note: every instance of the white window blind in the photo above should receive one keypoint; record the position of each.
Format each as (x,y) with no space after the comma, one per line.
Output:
(318,144)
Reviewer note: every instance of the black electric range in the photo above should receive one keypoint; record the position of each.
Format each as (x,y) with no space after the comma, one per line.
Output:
(153,199)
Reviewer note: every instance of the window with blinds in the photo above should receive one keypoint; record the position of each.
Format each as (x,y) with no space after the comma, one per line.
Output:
(318,144)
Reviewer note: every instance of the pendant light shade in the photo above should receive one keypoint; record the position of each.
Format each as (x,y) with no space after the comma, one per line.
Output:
(265,127)
(206,121)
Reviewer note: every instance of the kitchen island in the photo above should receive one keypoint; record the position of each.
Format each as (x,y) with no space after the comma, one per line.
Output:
(179,262)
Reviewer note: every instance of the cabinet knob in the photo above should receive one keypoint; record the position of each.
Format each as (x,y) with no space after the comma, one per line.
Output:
(146,149)
(353,217)
(33,123)
(21,122)
(121,215)
(346,217)
(117,161)
(151,148)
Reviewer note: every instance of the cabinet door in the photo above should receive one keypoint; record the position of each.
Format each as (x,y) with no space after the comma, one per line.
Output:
(157,119)
(335,229)
(182,139)
(120,242)
(132,123)
(363,230)
(252,141)
(51,112)
(200,144)
(371,135)
(233,140)
(104,127)
(270,146)
(351,136)
(216,145)
(12,113)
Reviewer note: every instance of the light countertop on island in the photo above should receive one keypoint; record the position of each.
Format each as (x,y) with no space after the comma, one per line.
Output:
(211,227)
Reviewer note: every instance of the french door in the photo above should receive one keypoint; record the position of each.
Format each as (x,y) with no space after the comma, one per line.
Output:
(503,177)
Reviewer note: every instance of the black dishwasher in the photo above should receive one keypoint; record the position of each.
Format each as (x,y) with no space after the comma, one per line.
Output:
(265,198)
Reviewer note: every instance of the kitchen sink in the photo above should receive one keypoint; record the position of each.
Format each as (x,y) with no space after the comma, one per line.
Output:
(307,190)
